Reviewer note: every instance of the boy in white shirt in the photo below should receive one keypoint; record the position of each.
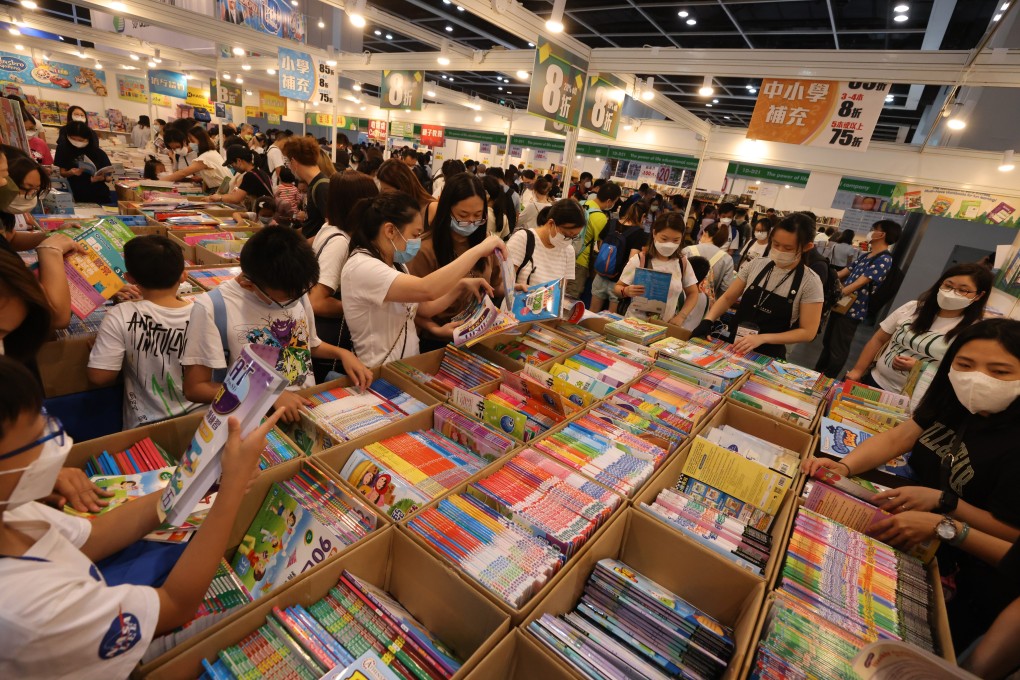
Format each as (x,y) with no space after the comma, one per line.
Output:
(146,338)
(58,617)
(267,304)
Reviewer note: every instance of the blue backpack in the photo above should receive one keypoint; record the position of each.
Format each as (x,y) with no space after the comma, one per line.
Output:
(612,253)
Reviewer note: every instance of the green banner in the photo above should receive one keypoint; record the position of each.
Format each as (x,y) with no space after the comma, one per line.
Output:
(592,150)
(867,187)
(402,130)
(649,157)
(768,174)
(402,90)
(603,105)
(557,84)
(543,143)
(475,136)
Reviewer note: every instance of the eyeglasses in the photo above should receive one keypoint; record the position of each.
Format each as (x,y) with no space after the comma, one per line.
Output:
(281,305)
(963,292)
(54,429)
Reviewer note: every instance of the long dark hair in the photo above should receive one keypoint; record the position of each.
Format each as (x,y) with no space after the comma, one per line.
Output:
(499,201)
(18,282)
(636,213)
(928,304)
(20,167)
(941,398)
(369,214)
(457,188)
(400,177)
(345,190)
(205,142)
(70,112)
(451,167)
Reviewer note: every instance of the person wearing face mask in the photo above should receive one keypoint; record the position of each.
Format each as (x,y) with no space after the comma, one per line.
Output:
(652,209)
(85,166)
(962,443)
(579,191)
(780,296)
(207,165)
(631,238)
(141,132)
(726,213)
(546,253)
(860,280)
(664,256)
(914,338)
(33,183)
(253,182)
(711,247)
(48,558)
(757,246)
(709,215)
(381,299)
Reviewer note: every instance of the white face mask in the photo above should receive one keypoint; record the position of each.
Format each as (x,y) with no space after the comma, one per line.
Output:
(951,300)
(79,119)
(761,235)
(31,133)
(783,260)
(21,205)
(666,249)
(37,479)
(78,145)
(559,240)
(725,220)
(587,185)
(874,235)
(981,393)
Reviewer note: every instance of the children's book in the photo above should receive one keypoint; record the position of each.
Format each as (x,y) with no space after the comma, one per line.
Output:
(541,301)
(656,284)
(481,320)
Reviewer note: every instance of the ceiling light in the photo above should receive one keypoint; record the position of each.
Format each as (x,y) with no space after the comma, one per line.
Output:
(245,67)
(444,77)
(331,62)
(293,3)
(500,88)
(315,103)
(134,57)
(459,8)
(19,47)
(683,14)
(692,22)
(555,22)
(450,79)
(81,54)
(357,87)
(628,126)
(478,119)
(715,101)
(271,71)
(449,29)
(648,91)
(997,17)
(238,79)
(1004,7)
(706,89)
(900,18)
(248,92)
(900,9)
(188,76)
(444,57)
(447,2)
(523,75)
(322,24)
(389,36)
(29,4)
(753,91)
(13,30)
(407,110)
(708,105)
(726,117)
(956,124)
(98,66)
(238,51)
(1007,161)
(155,56)
(118,6)
(356,13)
(531,44)
(362,108)
(617,95)
(430,93)
(786,186)
(377,32)
(226,76)
(152,64)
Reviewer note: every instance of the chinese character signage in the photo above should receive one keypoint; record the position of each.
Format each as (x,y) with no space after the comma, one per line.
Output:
(377,130)
(819,113)
(275,17)
(297,74)
(402,130)
(198,96)
(556,84)
(325,82)
(603,105)
(433,136)
(270,102)
(168,83)
(227,93)
(24,70)
(402,90)
(320,119)
(131,89)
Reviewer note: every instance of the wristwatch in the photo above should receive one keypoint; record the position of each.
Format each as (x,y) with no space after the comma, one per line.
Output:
(948,533)
(947,502)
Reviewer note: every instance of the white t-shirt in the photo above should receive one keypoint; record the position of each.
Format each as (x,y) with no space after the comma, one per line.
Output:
(677,282)
(331,246)
(214,173)
(376,325)
(251,321)
(58,618)
(697,314)
(820,236)
(547,264)
(930,345)
(147,341)
(529,216)
(756,250)
(810,288)
(274,157)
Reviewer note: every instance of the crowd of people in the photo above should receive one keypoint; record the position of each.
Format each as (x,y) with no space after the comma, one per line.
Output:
(366,260)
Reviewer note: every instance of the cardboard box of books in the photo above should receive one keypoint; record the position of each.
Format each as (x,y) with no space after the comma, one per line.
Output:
(215,253)
(517,657)
(445,621)
(699,594)
(436,372)
(172,436)
(531,343)
(408,464)
(189,239)
(63,365)
(532,485)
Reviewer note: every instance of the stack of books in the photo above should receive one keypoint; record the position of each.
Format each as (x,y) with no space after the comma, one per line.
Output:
(635,330)
(628,626)
(278,450)
(354,625)
(302,521)
(579,334)
(458,368)
(659,392)
(487,442)
(143,456)
(791,401)
(210,277)
(707,367)
(520,407)
(347,412)
(538,345)
(868,408)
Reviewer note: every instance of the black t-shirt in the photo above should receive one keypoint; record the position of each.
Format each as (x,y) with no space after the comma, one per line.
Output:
(318,195)
(635,241)
(256,184)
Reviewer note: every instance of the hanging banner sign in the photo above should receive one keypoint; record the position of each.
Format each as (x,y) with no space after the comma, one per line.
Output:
(537,143)
(474,136)
(485,148)
(863,194)
(297,74)
(516,151)
(227,93)
(345,123)
(402,130)
(433,136)
(767,174)
(900,198)
(252,112)
(198,96)
(556,128)
(556,84)
(274,118)
(603,105)
(132,89)
(325,82)
(320,119)
(274,17)
(377,130)
(168,83)
(819,113)
(402,90)
(23,70)
(270,102)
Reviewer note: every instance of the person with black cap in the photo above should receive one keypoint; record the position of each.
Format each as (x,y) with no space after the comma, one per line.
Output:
(254,183)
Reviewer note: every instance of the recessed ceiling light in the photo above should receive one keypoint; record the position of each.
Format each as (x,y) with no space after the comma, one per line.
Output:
(315,103)
(331,62)
(500,88)
(407,110)
(19,47)
(245,67)
(692,22)
(226,76)
(786,186)
(357,87)
(29,4)
(715,101)
(134,57)
(118,6)
(900,18)
(900,9)
(753,91)
(238,51)
(444,77)
(447,2)
(888,97)
(238,79)
(430,93)
(956,124)
(449,29)
(683,14)
(377,32)
(248,92)
(13,30)
(478,119)
(362,108)
(271,71)
(531,44)
(708,105)
(293,3)
(322,24)
(726,117)
(389,36)
(1004,7)
(996,17)
(151,64)
(459,8)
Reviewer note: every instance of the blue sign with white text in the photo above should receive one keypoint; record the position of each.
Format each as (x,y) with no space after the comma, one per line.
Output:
(297,74)
(170,83)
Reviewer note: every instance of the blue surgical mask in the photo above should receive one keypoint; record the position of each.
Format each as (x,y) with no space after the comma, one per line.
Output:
(465,228)
(413,245)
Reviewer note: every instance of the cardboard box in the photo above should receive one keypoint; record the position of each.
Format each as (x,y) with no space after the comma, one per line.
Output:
(173,436)
(517,657)
(468,623)
(492,341)
(812,428)
(177,236)
(216,254)
(63,365)
(722,590)
(429,362)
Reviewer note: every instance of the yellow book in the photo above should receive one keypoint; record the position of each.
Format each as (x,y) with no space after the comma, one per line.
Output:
(736,476)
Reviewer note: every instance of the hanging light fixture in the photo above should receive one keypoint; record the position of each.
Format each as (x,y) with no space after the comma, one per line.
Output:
(356,13)
(1007,164)
(706,89)
(444,56)
(555,22)
(648,92)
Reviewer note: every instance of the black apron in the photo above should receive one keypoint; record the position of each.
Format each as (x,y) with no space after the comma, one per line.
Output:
(770,312)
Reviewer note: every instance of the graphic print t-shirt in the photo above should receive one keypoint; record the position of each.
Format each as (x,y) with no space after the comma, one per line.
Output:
(251,321)
(147,342)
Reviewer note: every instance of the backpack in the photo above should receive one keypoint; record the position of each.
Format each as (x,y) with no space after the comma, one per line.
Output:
(589,243)
(708,284)
(529,254)
(220,319)
(613,253)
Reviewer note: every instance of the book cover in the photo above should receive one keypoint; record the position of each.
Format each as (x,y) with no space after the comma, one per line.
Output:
(541,301)
(656,291)
(367,666)
(381,486)
(735,475)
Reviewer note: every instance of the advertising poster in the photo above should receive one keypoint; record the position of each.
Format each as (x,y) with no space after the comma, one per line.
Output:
(603,105)
(402,90)
(325,82)
(227,93)
(899,198)
(556,84)
(433,136)
(270,102)
(275,17)
(297,74)
(131,89)
(23,70)
(377,130)
(198,95)
(168,83)
(820,113)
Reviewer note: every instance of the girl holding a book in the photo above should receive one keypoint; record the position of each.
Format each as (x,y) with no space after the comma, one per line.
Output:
(85,166)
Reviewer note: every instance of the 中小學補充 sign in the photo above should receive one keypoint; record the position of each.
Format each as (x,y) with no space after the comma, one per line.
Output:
(818,113)
(557,83)
(603,105)
(402,90)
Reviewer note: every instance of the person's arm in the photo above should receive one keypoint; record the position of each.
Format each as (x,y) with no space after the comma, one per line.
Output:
(355,370)
(868,354)
(407,288)
(25,240)
(199,386)
(430,308)
(872,452)
(53,278)
(858,283)
(323,302)
(727,300)
(197,166)
(997,654)
(102,377)
(807,329)
(690,301)
(235,196)
(843,273)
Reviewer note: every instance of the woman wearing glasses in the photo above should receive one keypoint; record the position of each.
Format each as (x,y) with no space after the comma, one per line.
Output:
(910,342)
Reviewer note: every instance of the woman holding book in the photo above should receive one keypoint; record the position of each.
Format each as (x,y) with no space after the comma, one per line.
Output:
(663,256)
(85,166)
(208,163)
(780,298)
(380,298)
(909,344)
(961,441)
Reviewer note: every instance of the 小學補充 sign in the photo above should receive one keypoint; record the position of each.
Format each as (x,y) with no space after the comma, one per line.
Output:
(297,74)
